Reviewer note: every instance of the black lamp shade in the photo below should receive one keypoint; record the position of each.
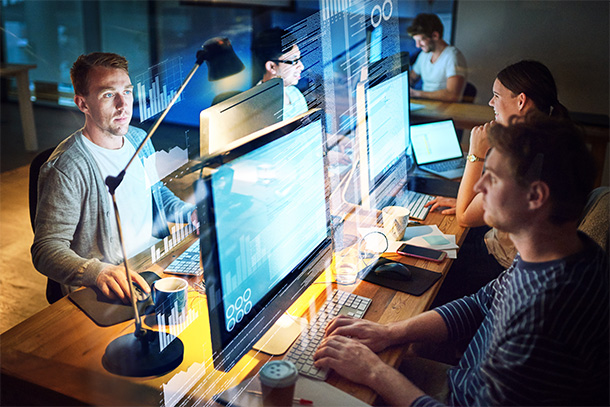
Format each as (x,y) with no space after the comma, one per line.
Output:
(220,57)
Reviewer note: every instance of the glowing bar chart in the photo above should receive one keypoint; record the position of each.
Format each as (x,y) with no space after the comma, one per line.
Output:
(157,86)
(176,323)
(177,235)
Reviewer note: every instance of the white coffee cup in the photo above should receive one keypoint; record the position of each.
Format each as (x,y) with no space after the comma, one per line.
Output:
(395,221)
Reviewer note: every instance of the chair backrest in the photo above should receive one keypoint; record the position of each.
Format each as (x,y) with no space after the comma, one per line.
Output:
(470,92)
(53,292)
(35,165)
(595,219)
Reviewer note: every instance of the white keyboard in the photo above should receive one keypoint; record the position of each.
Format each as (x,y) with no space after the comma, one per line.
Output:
(187,263)
(415,201)
(301,352)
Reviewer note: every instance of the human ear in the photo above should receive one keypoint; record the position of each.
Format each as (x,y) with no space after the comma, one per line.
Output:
(538,194)
(521,100)
(81,103)
(270,67)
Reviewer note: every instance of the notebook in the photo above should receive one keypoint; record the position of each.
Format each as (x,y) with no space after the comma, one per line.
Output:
(437,150)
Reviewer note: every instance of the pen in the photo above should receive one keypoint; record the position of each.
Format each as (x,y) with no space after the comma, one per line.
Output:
(303,402)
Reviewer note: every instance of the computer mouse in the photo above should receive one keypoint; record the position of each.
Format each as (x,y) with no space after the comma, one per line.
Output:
(139,292)
(393,271)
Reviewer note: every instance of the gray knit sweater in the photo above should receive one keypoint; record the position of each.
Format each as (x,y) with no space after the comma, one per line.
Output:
(75,235)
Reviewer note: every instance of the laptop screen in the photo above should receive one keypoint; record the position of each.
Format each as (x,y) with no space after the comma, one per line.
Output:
(436,141)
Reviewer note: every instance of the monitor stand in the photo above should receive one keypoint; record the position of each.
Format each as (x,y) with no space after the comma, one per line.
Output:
(281,335)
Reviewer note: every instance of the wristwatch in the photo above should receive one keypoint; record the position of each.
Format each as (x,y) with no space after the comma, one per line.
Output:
(473,158)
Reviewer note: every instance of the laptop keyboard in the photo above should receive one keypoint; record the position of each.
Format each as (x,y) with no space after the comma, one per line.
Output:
(447,165)
(187,263)
(415,201)
(301,352)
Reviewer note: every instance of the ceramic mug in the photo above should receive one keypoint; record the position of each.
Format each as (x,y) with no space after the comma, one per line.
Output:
(170,297)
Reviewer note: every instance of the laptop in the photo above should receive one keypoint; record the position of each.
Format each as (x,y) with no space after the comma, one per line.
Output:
(437,150)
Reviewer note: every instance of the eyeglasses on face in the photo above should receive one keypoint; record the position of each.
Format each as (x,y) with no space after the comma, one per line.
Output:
(287,61)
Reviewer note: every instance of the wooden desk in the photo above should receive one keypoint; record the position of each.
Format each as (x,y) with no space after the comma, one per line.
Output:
(20,72)
(55,357)
(467,115)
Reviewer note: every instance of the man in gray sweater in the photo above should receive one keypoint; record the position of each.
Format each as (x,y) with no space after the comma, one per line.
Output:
(76,240)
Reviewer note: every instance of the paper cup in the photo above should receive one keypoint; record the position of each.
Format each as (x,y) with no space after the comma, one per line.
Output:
(395,221)
(278,379)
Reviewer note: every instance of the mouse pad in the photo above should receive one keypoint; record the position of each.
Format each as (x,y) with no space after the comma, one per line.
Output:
(106,312)
(421,279)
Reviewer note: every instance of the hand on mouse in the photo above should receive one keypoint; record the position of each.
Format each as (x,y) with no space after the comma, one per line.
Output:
(113,284)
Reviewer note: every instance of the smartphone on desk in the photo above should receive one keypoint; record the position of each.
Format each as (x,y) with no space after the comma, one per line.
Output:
(421,252)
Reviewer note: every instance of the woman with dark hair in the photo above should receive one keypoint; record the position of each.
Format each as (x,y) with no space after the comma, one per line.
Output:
(531,81)
(526,88)
(277,55)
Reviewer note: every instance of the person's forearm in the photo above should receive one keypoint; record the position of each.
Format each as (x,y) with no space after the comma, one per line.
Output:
(393,387)
(59,263)
(467,209)
(426,327)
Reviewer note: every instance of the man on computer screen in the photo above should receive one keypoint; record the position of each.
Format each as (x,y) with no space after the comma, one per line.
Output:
(441,66)
(76,240)
(539,332)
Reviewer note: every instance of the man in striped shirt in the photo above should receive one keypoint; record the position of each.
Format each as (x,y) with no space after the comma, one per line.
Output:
(539,332)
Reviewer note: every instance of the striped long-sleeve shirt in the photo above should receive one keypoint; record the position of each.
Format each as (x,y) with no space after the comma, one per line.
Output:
(539,335)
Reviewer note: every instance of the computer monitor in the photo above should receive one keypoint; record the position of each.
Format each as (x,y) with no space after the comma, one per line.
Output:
(240,115)
(265,227)
(384,159)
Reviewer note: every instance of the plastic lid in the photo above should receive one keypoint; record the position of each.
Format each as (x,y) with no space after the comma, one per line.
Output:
(278,373)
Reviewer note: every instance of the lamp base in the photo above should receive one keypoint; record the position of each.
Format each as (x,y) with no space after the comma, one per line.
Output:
(140,356)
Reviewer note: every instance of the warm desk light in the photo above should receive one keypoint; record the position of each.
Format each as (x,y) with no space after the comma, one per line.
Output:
(140,354)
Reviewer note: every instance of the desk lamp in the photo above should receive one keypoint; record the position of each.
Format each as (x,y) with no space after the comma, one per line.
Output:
(139,354)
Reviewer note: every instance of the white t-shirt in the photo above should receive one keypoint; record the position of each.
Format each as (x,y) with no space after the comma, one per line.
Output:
(133,195)
(450,63)
(294,102)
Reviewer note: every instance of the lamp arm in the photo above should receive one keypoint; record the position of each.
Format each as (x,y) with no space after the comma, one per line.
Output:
(139,331)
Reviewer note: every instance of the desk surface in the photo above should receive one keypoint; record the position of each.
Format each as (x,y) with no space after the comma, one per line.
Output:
(55,356)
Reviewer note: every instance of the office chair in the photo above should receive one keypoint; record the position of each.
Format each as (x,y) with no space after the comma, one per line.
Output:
(595,218)
(53,292)
(470,92)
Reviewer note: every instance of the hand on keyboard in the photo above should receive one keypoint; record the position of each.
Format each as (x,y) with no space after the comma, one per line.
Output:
(373,335)
(302,350)
(349,358)
(443,202)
